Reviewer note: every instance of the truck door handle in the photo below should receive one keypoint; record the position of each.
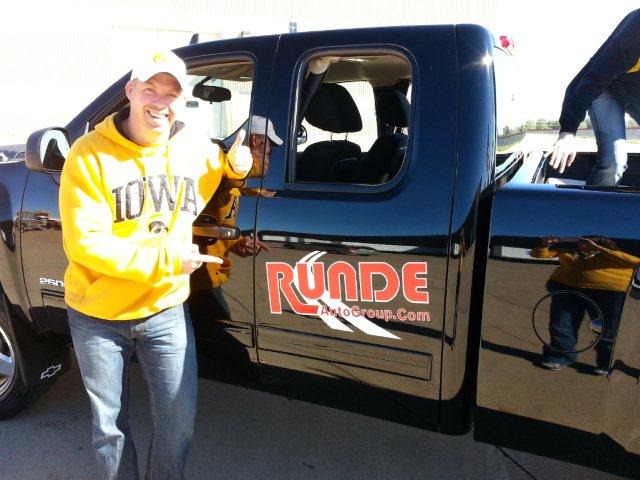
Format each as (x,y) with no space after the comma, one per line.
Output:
(208,230)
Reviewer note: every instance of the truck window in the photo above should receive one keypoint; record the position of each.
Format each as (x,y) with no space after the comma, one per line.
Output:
(353,120)
(510,123)
(219,101)
(363,92)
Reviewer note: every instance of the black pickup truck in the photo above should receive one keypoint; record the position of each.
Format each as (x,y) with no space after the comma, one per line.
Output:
(422,268)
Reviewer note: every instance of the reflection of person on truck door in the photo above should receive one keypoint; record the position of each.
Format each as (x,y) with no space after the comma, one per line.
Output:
(607,86)
(129,193)
(594,267)
(206,282)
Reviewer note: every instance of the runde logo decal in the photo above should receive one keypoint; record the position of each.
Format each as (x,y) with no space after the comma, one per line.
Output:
(312,289)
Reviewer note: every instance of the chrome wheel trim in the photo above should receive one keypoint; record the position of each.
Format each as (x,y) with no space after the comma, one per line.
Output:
(7,362)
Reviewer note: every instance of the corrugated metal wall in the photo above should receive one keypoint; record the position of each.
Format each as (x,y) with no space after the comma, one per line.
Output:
(52,66)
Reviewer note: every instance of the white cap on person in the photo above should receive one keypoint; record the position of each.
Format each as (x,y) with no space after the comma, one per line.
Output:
(161,62)
(260,125)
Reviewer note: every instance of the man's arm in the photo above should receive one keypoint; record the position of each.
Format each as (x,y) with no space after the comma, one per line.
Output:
(617,55)
(622,259)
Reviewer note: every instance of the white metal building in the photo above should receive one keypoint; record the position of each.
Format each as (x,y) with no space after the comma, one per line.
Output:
(58,56)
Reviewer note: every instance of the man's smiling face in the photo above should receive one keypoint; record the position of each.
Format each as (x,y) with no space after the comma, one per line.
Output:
(153,108)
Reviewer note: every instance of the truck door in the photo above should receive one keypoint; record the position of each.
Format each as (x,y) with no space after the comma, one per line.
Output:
(559,358)
(355,209)
(229,81)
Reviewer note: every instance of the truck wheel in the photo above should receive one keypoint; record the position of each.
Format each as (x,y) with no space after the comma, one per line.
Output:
(14,395)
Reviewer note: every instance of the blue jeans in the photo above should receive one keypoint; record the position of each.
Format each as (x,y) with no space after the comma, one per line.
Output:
(607,118)
(165,347)
(567,313)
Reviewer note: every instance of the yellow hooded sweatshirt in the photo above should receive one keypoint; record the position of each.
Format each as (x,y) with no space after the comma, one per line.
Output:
(126,214)
(607,270)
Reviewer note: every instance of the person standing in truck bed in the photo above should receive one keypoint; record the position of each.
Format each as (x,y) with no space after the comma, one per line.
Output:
(608,86)
(129,193)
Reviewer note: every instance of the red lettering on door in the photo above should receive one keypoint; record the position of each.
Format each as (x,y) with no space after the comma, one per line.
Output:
(390,290)
(346,271)
(280,279)
(306,289)
(412,284)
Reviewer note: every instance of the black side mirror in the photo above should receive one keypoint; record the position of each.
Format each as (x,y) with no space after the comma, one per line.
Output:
(46,149)
(302,135)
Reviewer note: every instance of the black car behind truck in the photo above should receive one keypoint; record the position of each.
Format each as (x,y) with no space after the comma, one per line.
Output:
(401,279)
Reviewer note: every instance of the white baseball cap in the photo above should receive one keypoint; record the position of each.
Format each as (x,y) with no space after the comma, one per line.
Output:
(161,62)
(260,124)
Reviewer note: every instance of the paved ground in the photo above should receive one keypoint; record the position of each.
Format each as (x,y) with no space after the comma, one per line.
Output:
(244,433)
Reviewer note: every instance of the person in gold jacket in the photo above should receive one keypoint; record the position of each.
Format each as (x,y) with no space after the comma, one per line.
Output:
(207,298)
(129,193)
(596,268)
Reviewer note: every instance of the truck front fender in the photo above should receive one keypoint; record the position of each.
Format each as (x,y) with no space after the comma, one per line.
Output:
(41,359)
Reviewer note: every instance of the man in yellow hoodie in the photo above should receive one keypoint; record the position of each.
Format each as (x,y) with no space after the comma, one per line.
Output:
(129,193)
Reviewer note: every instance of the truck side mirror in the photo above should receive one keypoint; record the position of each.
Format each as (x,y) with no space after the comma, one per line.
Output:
(46,149)
(302,135)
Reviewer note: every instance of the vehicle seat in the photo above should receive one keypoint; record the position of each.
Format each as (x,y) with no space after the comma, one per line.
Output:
(331,109)
(384,158)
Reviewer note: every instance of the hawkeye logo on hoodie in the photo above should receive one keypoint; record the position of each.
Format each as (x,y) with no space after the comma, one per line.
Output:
(129,199)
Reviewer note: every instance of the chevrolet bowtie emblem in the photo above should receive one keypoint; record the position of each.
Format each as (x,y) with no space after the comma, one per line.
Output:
(51,371)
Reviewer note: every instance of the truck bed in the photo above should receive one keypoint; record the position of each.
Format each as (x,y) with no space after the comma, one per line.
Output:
(577,173)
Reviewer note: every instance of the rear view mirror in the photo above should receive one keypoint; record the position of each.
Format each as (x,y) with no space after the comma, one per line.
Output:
(210,93)
(46,149)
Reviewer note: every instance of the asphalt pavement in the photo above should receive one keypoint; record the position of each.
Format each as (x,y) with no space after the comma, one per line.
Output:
(245,433)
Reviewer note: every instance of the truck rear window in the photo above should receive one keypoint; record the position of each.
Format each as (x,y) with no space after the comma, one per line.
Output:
(353,120)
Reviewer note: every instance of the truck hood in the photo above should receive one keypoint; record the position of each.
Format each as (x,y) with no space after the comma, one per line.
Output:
(11,152)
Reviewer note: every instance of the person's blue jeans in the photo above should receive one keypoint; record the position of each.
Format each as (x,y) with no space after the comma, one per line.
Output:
(566,314)
(165,348)
(607,119)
